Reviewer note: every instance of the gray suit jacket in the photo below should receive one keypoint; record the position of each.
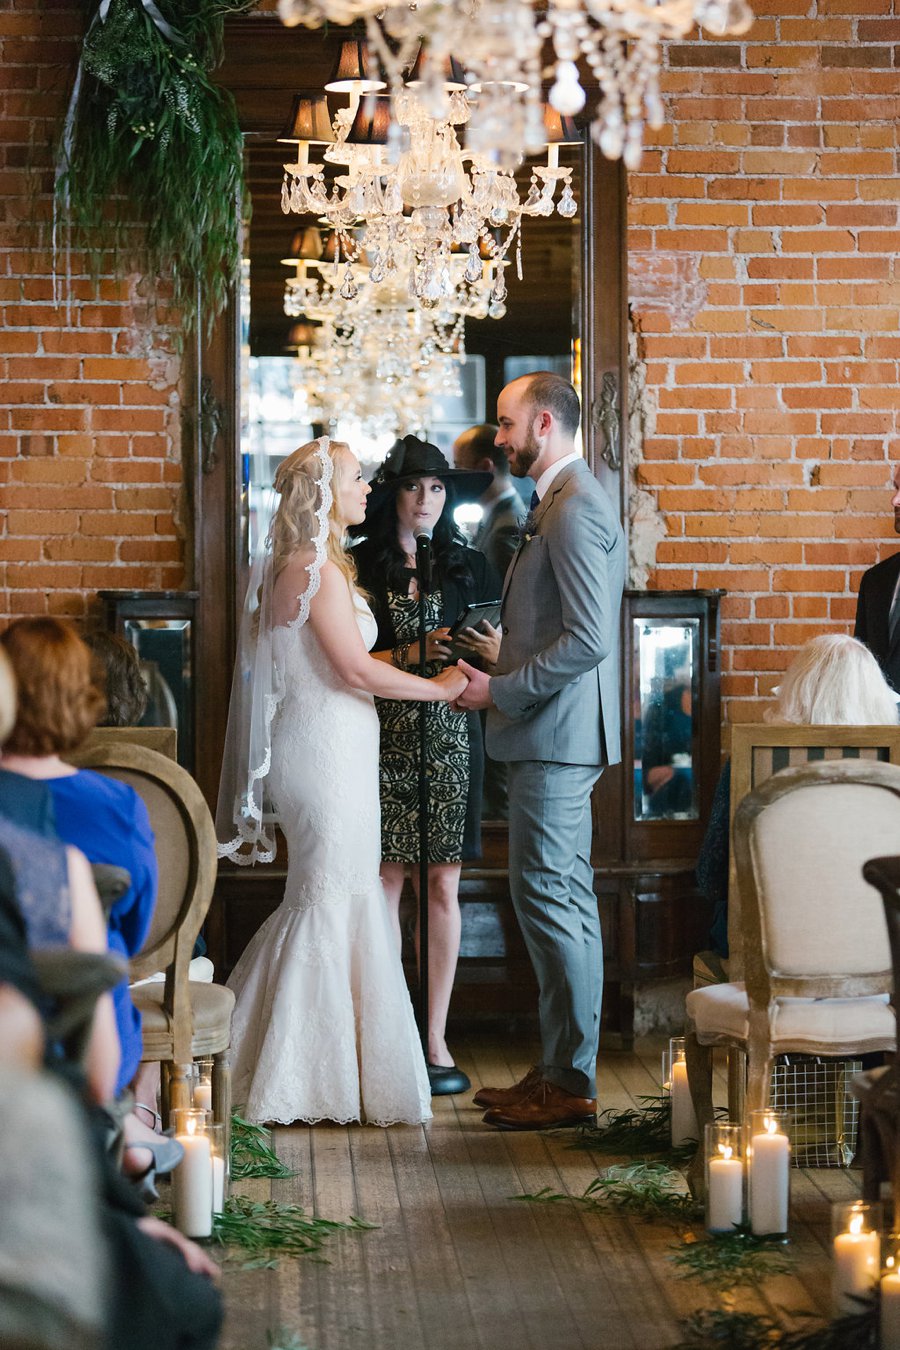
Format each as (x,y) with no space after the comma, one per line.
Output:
(556,691)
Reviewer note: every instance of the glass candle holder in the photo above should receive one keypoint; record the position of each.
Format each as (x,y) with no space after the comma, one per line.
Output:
(202,1085)
(220,1168)
(724,1177)
(192,1179)
(856,1252)
(675,1083)
(889,1316)
(768,1173)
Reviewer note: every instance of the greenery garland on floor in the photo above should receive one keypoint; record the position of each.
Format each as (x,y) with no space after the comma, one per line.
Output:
(717,1329)
(150,141)
(646,1190)
(266,1231)
(251,1153)
(645,1131)
(730,1259)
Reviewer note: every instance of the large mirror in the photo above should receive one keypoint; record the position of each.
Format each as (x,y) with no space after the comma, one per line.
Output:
(300,375)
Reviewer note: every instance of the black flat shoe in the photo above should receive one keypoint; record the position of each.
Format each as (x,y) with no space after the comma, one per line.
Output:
(447,1079)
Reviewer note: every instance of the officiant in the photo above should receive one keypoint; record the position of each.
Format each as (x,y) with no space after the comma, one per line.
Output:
(413,495)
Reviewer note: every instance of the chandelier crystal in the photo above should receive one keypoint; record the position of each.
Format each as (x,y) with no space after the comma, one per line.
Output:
(502,45)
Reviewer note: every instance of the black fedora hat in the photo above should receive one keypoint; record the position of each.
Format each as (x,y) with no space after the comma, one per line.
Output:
(410,457)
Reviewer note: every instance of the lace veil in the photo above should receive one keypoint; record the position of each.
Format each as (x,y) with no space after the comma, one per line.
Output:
(245,816)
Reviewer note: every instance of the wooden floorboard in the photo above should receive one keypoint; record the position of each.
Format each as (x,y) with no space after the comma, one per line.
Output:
(457,1260)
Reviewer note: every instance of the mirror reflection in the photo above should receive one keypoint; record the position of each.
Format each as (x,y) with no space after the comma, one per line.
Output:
(666,692)
(164,646)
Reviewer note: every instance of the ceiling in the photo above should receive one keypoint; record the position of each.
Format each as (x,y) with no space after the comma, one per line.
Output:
(265,65)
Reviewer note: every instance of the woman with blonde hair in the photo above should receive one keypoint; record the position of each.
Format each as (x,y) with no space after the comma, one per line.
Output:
(833,680)
(323,1026)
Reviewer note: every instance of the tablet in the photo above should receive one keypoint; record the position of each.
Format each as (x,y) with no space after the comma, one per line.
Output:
(473,615)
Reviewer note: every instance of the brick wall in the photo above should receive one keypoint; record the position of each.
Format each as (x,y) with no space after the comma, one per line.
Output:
(90,474)
(765,295)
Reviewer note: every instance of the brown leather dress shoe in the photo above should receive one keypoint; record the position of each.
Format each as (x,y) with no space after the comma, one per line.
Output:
(491,1097)
(546,1107)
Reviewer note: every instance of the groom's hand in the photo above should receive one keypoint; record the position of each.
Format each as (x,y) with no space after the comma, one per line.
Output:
(477,693)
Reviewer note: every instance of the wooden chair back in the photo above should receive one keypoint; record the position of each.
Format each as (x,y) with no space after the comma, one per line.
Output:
(186,854)
(884,875)
(164,740)
(760,750)
(812,927)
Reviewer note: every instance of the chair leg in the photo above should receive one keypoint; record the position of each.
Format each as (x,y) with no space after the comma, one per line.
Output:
(758,1081)
(699,1072)
(221,1095)
(179,1088)
(737,1083)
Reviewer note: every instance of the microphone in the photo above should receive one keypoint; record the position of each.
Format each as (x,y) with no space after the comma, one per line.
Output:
(422,537)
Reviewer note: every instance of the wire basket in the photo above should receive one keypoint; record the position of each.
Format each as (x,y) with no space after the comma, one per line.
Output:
(824,1116)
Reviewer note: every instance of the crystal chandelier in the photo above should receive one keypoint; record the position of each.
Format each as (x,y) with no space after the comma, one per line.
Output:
(502,42)
(407,193)
(379,360)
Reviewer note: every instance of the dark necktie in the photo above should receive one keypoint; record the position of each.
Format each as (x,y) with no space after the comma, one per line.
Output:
(528,522)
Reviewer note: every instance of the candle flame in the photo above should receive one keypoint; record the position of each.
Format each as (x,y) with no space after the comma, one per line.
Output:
(726,1150)
(191,1126)
(771,1125)
(856,1224)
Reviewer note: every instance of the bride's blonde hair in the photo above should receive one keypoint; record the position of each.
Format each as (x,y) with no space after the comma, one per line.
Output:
(294,524)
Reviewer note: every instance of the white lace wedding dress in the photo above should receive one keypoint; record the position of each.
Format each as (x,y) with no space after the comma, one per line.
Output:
(323,1025)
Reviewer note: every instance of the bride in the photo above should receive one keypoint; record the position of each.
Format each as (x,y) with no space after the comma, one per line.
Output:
(323,1025)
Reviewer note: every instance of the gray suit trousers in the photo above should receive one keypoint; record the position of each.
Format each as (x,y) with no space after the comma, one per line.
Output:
(551,881)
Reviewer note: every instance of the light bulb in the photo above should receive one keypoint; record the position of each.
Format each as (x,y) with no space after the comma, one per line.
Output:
(566,95)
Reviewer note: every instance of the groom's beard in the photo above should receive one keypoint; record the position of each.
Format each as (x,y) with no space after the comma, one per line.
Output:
(524,456)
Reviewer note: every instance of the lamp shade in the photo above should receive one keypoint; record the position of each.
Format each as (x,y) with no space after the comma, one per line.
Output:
(372,121)
(560,130)
(301,334)
(306,246)
(453,72)
(309,120)
(354,71)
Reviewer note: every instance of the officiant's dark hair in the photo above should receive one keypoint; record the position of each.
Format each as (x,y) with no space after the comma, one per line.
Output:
(548,390)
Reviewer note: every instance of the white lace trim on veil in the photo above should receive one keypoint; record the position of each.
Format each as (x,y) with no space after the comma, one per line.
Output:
(245,818)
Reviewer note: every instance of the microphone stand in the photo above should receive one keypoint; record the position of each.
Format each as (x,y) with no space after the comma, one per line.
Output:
(423,581)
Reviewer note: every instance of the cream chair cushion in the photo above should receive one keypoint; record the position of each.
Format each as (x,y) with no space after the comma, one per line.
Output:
(724,1010)
(788,846)
(211,1009)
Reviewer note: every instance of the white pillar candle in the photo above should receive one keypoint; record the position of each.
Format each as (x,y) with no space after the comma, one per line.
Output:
(203,1096)
(218,1184)
(725,1193)
(684,1119)
(890,1312)
(770,1163)
(192,1186)
(857,1260)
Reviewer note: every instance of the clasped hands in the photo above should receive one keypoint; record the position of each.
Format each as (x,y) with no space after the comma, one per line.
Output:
(467,688)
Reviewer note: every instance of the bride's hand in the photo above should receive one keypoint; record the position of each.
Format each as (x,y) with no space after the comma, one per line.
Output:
(451,683)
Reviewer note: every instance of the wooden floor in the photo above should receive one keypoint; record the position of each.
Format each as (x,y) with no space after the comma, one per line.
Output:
(457,1262)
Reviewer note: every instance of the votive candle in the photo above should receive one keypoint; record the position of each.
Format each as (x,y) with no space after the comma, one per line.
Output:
(192,1180)
(769,1169)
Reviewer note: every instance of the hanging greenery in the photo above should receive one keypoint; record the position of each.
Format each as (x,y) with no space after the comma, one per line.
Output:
(251,1152)
(150,160)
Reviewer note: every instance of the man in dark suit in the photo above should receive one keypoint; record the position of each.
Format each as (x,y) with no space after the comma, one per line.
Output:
(878,606)
(498,533)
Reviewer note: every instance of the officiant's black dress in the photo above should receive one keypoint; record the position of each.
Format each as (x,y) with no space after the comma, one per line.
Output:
(454,739)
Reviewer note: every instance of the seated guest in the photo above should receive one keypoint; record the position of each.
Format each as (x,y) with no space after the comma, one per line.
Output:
(832,681)
(82,1264)
(58,705)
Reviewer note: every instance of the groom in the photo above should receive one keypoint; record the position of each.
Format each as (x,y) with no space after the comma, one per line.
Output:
(553,717)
